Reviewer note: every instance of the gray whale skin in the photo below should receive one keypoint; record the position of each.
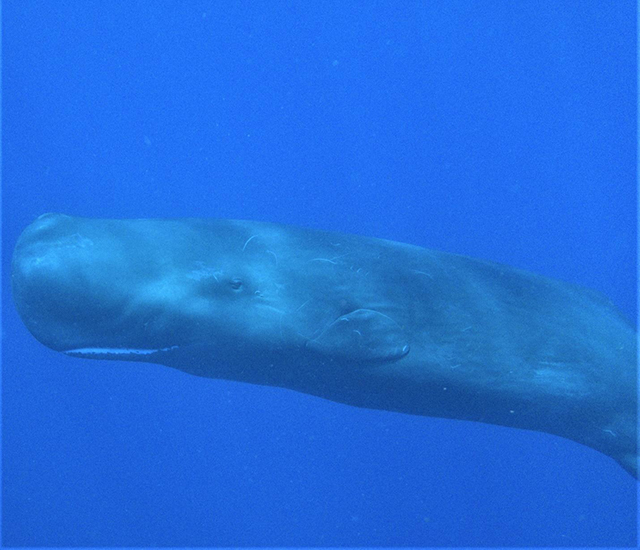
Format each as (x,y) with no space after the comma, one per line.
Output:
(362,321)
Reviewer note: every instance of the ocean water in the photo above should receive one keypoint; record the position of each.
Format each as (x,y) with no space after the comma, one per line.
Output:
(500,130)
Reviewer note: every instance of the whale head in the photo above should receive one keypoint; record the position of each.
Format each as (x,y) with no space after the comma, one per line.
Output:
(133,289)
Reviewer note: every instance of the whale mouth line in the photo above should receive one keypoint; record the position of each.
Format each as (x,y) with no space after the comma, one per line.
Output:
(117,352)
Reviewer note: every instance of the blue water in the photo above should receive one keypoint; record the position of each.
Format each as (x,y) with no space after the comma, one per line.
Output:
(500,130)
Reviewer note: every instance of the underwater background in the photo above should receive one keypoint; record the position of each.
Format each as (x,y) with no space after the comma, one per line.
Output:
(500,130)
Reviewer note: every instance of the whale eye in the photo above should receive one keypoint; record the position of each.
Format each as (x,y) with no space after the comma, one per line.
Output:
(236,284)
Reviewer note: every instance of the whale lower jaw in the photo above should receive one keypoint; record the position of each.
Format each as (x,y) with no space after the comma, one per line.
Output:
(121,353)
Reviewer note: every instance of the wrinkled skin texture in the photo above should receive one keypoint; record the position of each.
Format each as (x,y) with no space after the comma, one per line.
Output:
(361,321)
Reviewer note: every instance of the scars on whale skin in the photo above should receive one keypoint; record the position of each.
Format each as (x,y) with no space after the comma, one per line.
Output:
(362,321)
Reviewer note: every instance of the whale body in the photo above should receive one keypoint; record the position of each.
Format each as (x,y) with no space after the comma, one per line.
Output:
(356,320)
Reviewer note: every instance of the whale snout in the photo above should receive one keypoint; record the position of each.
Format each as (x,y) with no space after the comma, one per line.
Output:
(52,279)
(80,283)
